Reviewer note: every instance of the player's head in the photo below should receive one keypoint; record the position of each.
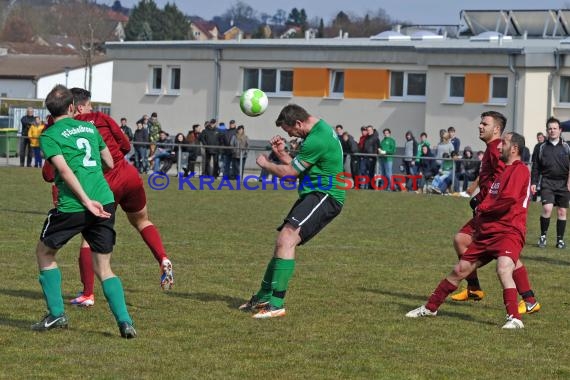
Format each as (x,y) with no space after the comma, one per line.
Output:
(553,128)
(82,100)
(491,126)
(291,119)
(512,146)
(59,101)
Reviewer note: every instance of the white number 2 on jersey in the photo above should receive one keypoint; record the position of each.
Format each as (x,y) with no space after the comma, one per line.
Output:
(83,143)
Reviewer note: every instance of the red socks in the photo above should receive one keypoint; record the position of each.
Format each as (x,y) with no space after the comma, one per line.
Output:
(520,276)
(439,295)
(510,299)
(152,238)
(86,270)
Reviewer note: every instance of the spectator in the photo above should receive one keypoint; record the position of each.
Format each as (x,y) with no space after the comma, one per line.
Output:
(178,150)
(193,139)
(371,146)
(362,166)
(129,133)
(230,170)
(339,132)
(240,142)
(444,146)
(34,133)
(25,149)
(454,139)
(427,167)
(154,129)
(440,181)
(209,137)
(423,141)
(410,148)
(162,152)
(140,141)
(469,170)
(352,149)
(387,149)
(539,140)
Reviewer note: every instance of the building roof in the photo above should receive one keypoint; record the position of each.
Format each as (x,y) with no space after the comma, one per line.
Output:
(34,66)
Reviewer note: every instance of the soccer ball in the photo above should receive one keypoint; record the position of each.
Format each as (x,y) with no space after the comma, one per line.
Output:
(253,102)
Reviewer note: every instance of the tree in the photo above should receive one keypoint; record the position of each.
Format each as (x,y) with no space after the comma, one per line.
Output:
(17,29)
(280,17)
(144,22)
(177,26)
(321,30)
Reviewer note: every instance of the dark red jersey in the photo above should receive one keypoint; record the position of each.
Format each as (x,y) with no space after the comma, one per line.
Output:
(505,208)
(491,169)
(116,140)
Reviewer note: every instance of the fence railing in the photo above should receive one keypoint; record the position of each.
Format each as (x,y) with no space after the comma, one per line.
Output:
(10,151)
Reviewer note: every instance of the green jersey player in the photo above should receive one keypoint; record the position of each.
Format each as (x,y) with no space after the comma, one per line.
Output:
(85,205)
(318,166)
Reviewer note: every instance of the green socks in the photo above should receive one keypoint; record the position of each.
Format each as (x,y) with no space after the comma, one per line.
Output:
(282,273)
(264,293)
(113,290)
(50,280)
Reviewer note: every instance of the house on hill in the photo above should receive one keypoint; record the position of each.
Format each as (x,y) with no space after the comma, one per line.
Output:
(202,30)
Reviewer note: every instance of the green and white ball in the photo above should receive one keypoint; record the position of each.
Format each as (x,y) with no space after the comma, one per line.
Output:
(253,102)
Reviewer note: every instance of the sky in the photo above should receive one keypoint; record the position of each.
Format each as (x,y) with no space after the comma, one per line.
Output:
(441,12)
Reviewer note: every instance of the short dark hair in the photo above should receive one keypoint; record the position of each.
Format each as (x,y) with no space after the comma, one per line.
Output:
(290,114)
(339,126)
(80,95)
(423,134)
(58,100)
(518,140)
(124,118)
(552,119)
(450,129)
(153,114)
(498,117)
(540,134)
(387,129)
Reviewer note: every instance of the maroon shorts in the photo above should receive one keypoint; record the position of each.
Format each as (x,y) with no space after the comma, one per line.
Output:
(487,249)
(127,187)
(468,228)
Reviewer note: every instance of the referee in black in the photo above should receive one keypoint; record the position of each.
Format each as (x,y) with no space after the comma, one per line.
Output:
(550,169)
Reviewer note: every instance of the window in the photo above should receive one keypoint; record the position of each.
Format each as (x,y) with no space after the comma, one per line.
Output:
(174,86)
(155,80)
(337,84)
(407,85)
(456,88)
(564,89)
(271,81)
(499,89)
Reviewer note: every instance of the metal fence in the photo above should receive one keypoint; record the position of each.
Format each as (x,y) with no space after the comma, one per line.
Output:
(246,158)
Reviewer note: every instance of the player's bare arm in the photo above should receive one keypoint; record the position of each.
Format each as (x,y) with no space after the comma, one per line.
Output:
(278,147)
(107,159)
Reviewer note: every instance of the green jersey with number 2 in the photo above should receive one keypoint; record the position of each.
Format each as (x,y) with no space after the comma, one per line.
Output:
(80,144)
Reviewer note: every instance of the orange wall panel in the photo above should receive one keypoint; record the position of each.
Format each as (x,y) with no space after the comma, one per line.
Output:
(366,84)
(476,88)
(311,82)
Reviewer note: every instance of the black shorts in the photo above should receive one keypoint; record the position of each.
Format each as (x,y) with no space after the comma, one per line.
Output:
(555,192)
(312,213)
(60,227)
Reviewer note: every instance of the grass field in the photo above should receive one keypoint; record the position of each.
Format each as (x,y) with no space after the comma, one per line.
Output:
(353,284)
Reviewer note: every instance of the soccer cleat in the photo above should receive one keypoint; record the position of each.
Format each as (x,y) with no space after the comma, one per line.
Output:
(560,244)
(82,300)
(167,277)
(127,330)
(254,304)
(513,323)
(269,311)
(468,295)
(421,311)
(50,322)
(542,241)
(528,308)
